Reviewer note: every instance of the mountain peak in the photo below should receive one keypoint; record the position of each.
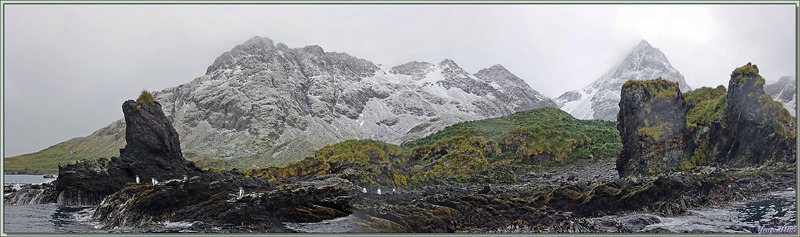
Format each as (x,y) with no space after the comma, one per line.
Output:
(497,67)
(448,62)
(315,49)
(643,43)
(415,69)
(786,79)
(600,99)
(496,71)
(258,40)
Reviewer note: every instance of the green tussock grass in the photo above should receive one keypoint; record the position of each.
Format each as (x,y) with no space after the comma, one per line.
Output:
(705,104)
(658,88)
(543,131)
(47,160)
(146,97)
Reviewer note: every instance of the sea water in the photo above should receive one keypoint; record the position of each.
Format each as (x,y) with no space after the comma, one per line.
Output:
(25,179)
(41,218)
(771,210)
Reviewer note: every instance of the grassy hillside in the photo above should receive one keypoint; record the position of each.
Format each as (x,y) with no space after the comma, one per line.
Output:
(478,151)
(540,132)
(47,160)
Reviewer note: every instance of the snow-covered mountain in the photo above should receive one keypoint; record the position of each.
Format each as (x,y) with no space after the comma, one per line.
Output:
(263,104)
(784,91)
(600,99)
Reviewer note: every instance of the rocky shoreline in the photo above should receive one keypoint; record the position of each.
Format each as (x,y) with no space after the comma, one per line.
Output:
(557,200)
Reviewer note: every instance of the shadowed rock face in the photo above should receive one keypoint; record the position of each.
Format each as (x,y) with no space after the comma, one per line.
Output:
(652,119)
(152,151)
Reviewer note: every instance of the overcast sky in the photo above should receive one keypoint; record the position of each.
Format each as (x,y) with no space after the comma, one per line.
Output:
(68,68)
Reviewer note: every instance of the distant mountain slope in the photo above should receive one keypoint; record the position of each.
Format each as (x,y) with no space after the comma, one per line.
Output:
(263,104)
(600,100)
(784,91)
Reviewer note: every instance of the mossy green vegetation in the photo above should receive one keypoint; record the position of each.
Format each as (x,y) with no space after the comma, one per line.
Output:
(47,160)
(705,104)
(742,71)
(653,131)
(362,154)
(478,151)
(658,88)
(145,96)
(784,121)
(739,75)
(533,135)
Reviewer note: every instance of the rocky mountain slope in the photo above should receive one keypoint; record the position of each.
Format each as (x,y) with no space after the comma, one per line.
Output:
(600,99)
(784,91)
(263,104)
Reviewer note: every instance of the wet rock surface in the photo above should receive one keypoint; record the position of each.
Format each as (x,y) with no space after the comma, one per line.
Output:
(27,194)
(213,200)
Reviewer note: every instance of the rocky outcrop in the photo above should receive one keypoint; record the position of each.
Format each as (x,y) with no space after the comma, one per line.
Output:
(652,120)
(741,126)
(759,130)
(152,151)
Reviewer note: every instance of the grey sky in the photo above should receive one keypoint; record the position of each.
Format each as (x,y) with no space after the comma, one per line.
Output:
(68,68)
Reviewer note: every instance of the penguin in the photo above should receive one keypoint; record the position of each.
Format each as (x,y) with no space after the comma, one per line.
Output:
(241,191)
(379,191)
(364,190)
(154,180)
(137,179)
(185,177)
